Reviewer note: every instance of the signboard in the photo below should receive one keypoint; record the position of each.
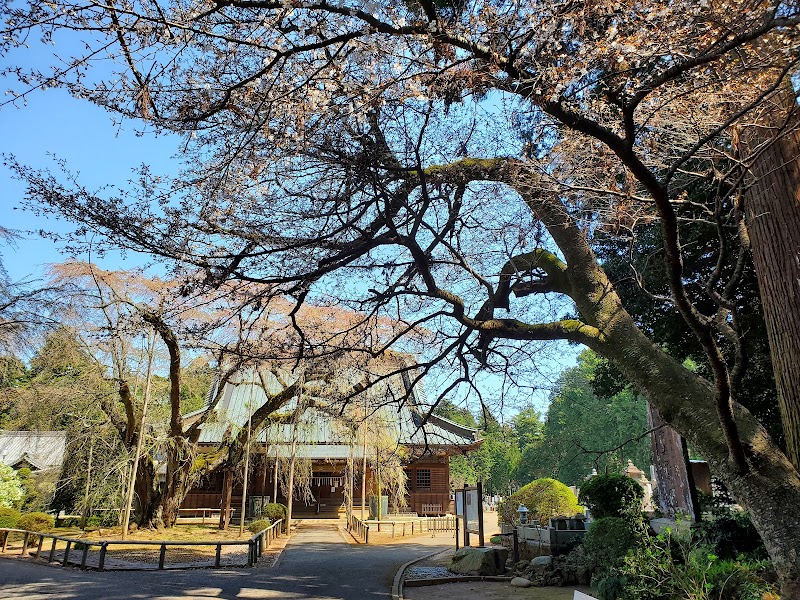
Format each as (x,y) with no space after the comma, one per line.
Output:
(469,508)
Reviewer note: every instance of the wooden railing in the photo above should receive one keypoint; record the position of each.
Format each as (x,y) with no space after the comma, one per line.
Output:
(255,546)
(191,513)
(402,527)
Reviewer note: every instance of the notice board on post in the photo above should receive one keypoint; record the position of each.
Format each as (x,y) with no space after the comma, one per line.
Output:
(469,508)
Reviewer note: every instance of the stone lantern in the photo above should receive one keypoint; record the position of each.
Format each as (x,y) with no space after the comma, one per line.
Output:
(522,511)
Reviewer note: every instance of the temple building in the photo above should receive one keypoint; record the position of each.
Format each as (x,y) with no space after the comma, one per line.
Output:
(328,439)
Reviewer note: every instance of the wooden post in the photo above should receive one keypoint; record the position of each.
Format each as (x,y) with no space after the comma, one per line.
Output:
(85,511)
(218,556)
(53,549)
(466,520)
(39,547)
(264,477)
(151,349)
(162,556)
(515,546)
(480,515)
(364,464)
(24,543)
(101,564)
(66,553)
(275,476)
(227,492)
(247,452)
(83,557)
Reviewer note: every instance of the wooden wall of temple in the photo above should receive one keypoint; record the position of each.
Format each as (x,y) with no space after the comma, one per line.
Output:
(428,487)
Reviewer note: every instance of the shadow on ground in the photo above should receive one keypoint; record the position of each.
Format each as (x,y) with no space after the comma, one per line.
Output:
(316,565)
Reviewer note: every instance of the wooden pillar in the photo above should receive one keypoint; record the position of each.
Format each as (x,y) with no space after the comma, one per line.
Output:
(227,492)
(676,493)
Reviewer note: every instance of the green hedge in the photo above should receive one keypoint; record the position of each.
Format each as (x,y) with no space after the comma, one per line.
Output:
(36,521)
(544,498)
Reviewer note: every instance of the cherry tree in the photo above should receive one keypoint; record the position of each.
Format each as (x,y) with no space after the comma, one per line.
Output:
(446,165)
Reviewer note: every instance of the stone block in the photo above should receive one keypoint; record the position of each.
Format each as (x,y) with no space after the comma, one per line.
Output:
(479,561)
(541,563)
(520,582)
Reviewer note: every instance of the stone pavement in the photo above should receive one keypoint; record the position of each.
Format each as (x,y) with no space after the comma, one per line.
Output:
(318,564)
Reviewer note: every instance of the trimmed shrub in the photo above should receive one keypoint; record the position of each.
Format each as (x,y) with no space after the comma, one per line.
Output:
(36,521)
(608,541)
(259,525)
(611,495)
(544,498)
(9,517)
(274,511)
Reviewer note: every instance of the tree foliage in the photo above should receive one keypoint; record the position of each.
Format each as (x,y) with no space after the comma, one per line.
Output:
(612,495)
(11,491)
(591,425)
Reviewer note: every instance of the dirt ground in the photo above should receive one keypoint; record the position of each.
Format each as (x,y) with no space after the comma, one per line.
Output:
(487,590)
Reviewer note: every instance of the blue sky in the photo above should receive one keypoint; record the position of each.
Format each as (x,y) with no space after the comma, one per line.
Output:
(54,123)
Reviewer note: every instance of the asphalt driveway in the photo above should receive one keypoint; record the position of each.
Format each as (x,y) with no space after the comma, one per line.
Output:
(317,564)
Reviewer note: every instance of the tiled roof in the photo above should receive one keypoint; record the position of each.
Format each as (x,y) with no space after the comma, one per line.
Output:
(43,450)
(321,435)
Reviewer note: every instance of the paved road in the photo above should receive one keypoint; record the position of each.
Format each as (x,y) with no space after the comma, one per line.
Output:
(316,565)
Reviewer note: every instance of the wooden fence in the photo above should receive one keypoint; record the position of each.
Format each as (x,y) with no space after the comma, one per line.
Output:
(202,513)
(256,545)
(401,527)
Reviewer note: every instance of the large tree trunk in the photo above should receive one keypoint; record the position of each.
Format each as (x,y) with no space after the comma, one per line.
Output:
(147,492)
(772,210)
(769,490)
(768,485)
(180,458)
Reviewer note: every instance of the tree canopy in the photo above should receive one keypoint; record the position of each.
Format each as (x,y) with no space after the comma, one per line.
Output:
(450,167)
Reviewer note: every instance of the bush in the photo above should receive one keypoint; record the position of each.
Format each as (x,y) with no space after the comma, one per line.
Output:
(607,542)
(259,525)
(274,511)
(730,534)
(94,522)
(9,517)
(544,498)
(674,567)
(609,587)
(611,495)
(36,521)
